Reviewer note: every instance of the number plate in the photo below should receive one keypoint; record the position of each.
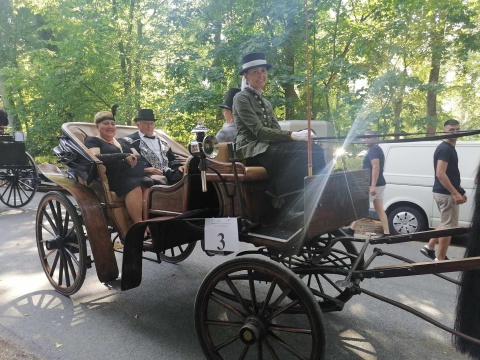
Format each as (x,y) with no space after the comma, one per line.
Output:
(221,234)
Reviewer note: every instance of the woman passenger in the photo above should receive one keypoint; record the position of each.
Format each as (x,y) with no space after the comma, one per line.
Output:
(125,176)
(260,140)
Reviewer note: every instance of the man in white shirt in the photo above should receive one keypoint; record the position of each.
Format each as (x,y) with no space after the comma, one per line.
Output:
(163,167)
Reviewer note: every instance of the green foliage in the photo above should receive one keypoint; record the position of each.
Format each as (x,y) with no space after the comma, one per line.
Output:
(369,64)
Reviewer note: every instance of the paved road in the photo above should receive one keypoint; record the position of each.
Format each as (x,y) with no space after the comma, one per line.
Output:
(155,321)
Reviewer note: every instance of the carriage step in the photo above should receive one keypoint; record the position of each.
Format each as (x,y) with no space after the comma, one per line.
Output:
(275,233)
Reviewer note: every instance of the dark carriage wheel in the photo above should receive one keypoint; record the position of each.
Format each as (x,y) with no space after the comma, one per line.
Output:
(61,243)
(322,262)
(20,184)
(178,253)
(253,308)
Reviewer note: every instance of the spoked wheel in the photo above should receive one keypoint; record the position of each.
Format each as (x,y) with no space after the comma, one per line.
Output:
(253,308)
(61,243)
(322,262)
(178,253)
(19,184)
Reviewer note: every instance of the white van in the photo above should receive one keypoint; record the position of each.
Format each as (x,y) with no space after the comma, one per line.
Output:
(408,198)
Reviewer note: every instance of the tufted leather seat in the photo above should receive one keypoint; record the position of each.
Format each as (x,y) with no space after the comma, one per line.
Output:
(115,204)
(223,165)
(252,181)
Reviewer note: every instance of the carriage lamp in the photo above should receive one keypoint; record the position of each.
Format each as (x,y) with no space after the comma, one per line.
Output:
(202,147)
(195,146)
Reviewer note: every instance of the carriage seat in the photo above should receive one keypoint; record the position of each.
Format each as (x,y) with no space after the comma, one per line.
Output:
(223,165)
(115,204)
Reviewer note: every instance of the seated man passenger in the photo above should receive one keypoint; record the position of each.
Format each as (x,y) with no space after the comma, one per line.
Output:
(163,167)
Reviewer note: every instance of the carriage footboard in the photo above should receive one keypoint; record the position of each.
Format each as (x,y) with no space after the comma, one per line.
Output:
(166,232)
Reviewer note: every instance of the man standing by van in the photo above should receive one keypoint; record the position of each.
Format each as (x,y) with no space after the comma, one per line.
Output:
(374,161)
(447,192)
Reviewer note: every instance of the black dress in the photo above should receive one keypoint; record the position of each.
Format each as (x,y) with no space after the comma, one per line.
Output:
(118,170)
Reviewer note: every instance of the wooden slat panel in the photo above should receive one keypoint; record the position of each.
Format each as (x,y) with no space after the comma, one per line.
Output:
(344,198)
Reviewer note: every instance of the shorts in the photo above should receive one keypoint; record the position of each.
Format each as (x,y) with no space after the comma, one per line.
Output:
(448,210)
(379,195)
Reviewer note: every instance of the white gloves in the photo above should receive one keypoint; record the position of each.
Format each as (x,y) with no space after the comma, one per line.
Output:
(301,135)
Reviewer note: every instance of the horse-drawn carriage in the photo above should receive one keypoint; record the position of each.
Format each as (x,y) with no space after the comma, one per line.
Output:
(18,172)
(267,302)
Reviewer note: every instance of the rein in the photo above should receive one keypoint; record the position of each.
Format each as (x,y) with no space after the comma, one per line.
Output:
(337,139)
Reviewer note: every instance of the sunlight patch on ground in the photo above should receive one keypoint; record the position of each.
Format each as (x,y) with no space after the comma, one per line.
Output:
(423,306)
(12,212)
(357,344)
(15,285)
(359,309)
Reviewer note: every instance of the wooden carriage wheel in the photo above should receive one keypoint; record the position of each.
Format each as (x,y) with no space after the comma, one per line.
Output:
(18,183)
(322,262)
(178,253)
(254,308)
(61,243)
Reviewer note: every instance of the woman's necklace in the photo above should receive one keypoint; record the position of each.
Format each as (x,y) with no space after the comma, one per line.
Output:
(113,142)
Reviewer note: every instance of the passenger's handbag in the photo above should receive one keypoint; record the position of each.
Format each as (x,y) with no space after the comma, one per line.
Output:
(137,171)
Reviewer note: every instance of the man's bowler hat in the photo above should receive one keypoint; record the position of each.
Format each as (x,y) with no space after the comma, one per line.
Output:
(228,102)
(145,114)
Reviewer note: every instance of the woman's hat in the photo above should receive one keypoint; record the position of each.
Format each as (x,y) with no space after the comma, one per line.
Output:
(145,114)
(228,102)
(253,60)
(103,116)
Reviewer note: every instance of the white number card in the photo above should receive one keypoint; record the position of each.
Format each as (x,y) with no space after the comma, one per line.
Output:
(221,234)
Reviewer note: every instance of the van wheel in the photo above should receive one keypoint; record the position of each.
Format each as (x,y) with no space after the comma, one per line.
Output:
(406,220)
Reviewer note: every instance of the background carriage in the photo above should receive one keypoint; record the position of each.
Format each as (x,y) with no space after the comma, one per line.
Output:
(18,172)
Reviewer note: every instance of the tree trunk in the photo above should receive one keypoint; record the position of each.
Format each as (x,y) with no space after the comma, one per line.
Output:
(291,97)
(436,46)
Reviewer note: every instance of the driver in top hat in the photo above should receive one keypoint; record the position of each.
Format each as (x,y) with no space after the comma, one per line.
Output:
(261,141)
(163,167)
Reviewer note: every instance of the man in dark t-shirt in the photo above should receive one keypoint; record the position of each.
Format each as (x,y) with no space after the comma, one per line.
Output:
(374,161)
(447,192)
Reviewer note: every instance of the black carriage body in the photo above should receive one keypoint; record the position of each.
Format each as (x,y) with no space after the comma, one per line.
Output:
(12,153)
(18,172)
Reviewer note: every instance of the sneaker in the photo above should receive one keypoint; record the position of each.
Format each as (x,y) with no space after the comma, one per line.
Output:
(428,252)
(348,231)
(117,245)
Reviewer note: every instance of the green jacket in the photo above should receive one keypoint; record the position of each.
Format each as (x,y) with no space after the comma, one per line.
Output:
(256,124)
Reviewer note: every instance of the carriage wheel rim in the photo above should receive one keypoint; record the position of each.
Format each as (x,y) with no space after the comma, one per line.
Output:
(61,243)
(261,328)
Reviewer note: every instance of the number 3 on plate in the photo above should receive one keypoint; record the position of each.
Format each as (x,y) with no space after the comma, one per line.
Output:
(221,234)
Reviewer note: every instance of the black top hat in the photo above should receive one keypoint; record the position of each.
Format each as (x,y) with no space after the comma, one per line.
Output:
(145,114)
(253,60)
(228,102)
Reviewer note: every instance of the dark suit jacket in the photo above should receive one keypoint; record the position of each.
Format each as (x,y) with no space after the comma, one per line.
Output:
(256,124)
(166,162)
